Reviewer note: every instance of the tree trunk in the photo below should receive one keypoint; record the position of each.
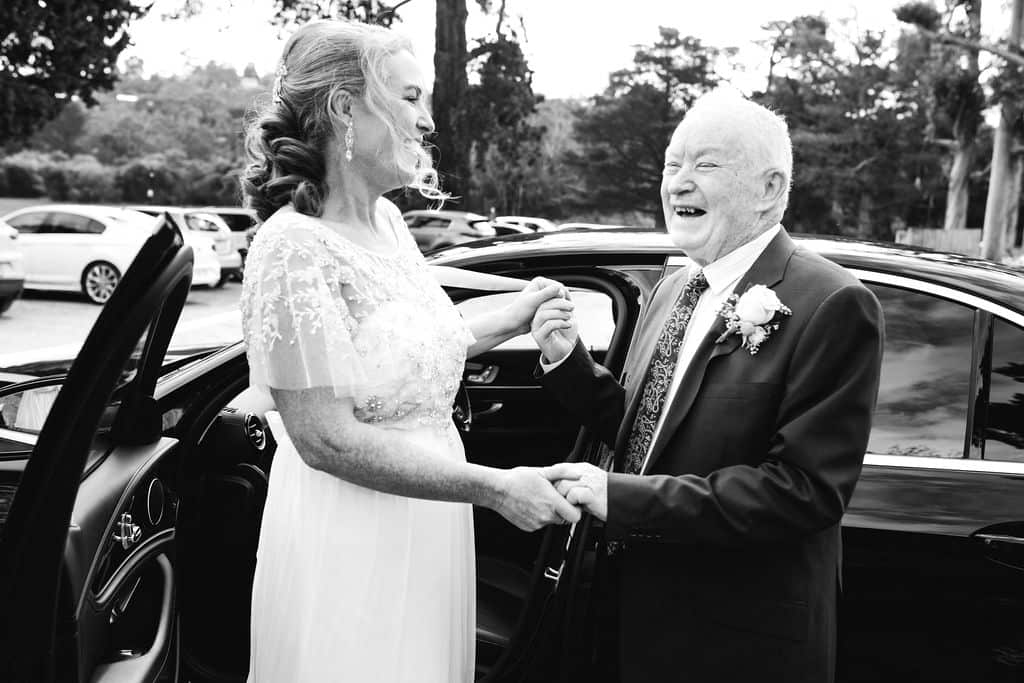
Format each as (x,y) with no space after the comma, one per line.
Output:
(959,177)
(450,85)
(865,209)
(1003,197)
(965,130)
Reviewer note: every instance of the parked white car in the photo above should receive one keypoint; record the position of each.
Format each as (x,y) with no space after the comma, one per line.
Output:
(12,267)
(77,247)
(208,223)
(532,222)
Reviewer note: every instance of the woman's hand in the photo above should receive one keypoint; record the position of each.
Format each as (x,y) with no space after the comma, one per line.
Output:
(555,329)
(519,314)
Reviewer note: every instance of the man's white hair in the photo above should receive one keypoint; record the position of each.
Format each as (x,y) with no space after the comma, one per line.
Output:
(771,143)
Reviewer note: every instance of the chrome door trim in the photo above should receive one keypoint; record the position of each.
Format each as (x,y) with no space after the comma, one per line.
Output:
(940,290)
(949,464)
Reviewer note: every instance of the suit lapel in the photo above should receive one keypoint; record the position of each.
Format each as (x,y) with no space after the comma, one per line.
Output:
(768,270)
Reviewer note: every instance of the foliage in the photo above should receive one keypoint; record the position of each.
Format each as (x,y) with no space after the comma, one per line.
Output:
(921,14)
(623,134)
(296,12)
(55,51)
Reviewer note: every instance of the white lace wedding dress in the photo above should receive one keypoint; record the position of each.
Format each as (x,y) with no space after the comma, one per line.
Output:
(353,584)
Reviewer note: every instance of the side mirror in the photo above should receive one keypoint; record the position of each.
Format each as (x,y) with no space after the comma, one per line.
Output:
(26,410)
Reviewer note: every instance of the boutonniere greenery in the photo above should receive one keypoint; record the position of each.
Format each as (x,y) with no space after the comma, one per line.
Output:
(753,316)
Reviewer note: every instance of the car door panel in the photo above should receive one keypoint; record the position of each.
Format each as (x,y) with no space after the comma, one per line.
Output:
(67,588)
(925,596)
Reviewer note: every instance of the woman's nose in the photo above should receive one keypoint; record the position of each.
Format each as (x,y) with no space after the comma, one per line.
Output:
(425,124)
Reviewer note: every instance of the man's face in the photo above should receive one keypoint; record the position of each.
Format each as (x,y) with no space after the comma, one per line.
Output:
(709,186)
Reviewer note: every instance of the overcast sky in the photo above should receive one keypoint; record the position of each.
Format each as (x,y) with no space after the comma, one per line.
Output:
(571,45)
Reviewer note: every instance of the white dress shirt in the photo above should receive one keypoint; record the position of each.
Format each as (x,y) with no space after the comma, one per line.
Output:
(722,275)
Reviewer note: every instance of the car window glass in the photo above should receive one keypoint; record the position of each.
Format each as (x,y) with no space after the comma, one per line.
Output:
(29,223)
(1004,433)
(923,396)
(593,313)
(73,224)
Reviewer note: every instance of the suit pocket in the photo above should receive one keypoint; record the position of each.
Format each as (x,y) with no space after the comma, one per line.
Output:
(779,618)
(743,391)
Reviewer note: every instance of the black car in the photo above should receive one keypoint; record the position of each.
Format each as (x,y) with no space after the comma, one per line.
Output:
(147,571)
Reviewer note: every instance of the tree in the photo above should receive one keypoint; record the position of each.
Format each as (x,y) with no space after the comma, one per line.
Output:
(955,99)
(851,124)
(623,134)
(1003,200)
(54,52)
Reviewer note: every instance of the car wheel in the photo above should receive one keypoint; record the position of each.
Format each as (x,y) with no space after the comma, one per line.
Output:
(224,277)
(99,281)
(5,304)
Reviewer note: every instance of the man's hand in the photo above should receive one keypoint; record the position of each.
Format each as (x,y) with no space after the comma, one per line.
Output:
(529,501)
(521,311)
(582,484)
(554,328)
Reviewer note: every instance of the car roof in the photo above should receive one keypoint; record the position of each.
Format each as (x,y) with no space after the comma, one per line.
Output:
(98,212)
(977,276)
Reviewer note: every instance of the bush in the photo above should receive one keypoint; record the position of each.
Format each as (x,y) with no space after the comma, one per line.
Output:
(90,181)
(137,178)
(23,174)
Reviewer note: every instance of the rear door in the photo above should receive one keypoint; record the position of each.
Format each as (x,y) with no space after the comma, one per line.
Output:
(86,543)
(934,535)
(34,244)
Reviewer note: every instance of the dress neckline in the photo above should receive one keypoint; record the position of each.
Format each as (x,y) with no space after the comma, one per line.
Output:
(325,224)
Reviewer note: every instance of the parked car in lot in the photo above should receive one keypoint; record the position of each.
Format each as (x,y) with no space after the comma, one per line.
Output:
(209,224)
(133,514)
(438,229)
(86,248)
(242,223)
(532,222)
(12,267)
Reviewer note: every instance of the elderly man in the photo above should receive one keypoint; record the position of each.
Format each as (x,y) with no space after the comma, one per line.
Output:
(739,426)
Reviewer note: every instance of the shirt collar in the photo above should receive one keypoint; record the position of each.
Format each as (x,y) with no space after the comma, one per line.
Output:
(727,271)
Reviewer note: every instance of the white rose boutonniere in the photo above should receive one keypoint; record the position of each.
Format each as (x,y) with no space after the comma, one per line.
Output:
(753,316)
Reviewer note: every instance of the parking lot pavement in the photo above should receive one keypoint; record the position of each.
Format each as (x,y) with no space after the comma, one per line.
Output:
(50,325)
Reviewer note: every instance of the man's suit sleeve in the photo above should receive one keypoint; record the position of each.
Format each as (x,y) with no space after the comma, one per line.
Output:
(811,463)
(588,391)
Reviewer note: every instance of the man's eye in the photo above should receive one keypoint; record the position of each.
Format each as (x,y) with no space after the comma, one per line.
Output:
(413,98)
(706,165)
(670,168)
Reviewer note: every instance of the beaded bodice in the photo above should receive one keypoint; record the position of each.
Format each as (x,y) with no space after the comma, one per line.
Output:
(319,310)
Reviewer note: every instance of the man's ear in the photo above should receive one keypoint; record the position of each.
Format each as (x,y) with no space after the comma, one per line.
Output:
(774,186)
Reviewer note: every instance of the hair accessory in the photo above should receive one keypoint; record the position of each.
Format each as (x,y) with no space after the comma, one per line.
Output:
(282,71)
(350,139)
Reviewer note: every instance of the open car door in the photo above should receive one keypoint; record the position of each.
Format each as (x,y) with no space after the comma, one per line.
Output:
(73,562)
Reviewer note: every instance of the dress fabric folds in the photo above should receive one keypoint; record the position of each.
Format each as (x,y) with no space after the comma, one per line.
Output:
(353,584)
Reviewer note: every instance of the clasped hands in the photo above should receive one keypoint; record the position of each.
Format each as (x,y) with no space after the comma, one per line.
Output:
(536,497)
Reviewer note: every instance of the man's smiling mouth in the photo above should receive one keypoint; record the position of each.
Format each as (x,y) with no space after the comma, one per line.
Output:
(689,211)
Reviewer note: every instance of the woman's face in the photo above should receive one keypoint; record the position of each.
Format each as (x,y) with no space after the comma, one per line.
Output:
(389,158)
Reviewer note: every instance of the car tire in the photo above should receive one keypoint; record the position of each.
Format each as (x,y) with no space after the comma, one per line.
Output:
(99,280)
(224,277)
(5,304)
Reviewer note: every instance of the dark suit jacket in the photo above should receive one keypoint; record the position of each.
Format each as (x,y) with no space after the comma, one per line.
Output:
(732,539)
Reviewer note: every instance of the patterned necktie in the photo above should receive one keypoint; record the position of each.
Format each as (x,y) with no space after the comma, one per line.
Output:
(660,371)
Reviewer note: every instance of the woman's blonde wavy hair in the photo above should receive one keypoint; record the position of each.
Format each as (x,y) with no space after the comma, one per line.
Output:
(324,64)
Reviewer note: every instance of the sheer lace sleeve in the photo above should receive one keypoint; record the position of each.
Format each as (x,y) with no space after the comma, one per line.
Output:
(298,323)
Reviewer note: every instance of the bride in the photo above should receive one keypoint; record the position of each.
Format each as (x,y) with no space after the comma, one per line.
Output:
(365,568)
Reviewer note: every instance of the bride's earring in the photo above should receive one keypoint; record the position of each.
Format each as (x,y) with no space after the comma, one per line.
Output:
(350,139)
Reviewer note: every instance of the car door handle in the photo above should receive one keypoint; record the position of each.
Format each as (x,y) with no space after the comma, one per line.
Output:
(485,375)
(990,539)
(489,410)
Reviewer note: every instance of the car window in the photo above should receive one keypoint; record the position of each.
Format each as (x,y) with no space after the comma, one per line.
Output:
(1004,434)
(238,222)
(923,397)
(593,311)
(29,223)
(73,224)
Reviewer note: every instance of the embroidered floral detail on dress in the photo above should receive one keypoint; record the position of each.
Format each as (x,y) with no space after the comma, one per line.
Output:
(321,311)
